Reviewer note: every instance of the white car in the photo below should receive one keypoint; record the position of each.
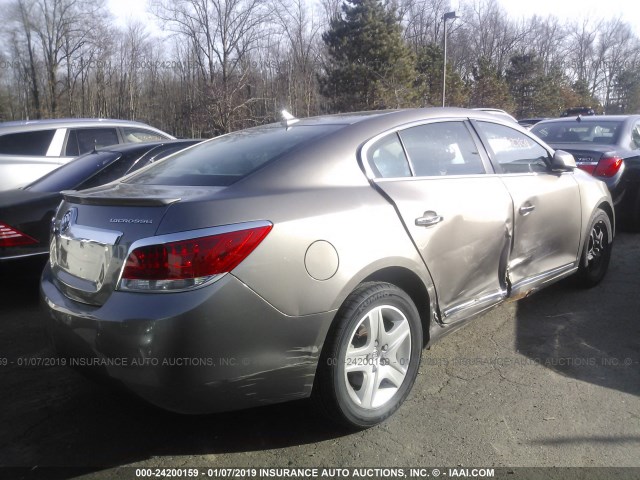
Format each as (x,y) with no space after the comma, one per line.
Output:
(32,148)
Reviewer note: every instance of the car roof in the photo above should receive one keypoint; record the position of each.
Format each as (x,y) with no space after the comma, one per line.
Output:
(42,124)
(590,118)
(393,117)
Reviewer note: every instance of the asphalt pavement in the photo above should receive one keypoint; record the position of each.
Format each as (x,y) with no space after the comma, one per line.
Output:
(550,380)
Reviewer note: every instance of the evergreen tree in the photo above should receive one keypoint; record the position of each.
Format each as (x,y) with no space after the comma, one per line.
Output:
(489,88)
(429,79)
(524,77)
(368,65)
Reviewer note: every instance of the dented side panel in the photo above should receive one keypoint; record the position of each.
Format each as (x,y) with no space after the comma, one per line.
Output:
(465,253)
(547,226)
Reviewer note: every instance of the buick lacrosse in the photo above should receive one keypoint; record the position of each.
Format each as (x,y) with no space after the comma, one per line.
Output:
(315,257)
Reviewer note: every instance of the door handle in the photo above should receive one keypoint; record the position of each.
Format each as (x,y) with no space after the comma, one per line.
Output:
(527,209)
(428,219)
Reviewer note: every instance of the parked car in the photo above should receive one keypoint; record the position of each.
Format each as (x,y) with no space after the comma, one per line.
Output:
(572,112)
(316,257)
(530,122)
(25,214)
(608,147)
(499,113)
(30,149)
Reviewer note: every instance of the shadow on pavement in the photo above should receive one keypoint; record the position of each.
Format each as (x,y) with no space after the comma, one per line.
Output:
(52,416)
(597,342)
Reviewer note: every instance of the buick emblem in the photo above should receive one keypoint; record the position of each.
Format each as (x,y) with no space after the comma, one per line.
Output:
(65,222)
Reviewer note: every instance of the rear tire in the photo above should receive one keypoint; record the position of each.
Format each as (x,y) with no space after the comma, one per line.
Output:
(596,253)
(371,356)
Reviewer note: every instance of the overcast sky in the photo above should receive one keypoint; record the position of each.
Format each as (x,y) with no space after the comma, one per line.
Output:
(629,10)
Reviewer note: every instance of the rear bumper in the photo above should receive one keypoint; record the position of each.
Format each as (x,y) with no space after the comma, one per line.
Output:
(11,255)
(218,348)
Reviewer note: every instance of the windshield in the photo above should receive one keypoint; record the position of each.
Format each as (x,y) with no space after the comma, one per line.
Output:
(600,132)
(72,174)
(229,158)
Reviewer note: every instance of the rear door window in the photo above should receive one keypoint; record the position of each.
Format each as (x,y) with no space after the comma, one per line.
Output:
(26,143)
(83,140)
(138,135)
(442,149)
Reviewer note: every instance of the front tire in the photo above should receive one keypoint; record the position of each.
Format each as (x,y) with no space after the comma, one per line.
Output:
(596,252)
(371,356)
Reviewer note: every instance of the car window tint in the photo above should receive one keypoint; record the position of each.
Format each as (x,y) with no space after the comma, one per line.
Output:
(635,137)
(113,171)
(88,138)
(598,131)
(72,150)
(226,159)
(70,175)
(158,153)
(26,143)
(138,135)
(387,159)
(444,148)
(512,150)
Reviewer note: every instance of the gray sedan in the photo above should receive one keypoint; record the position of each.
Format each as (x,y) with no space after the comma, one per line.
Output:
(314,257)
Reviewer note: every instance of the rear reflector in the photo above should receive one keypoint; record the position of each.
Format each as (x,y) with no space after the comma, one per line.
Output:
(608,167)
(11,237)
(188,263)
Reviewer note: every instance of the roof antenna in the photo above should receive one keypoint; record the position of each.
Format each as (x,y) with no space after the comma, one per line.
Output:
(95,142)
(288,119)
(579,119)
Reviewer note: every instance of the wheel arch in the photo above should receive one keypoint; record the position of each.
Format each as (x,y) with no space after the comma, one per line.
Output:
(412,285)
(608,209)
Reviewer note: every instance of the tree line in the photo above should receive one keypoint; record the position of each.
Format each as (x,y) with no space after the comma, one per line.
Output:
(214,66)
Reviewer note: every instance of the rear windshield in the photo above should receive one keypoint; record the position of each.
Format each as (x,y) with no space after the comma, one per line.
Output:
(600,132)
(70,175)
(227,159)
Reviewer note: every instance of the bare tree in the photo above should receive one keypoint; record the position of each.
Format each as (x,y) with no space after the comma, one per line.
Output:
(223,33)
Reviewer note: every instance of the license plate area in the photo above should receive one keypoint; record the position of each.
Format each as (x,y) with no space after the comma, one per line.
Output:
(81,255)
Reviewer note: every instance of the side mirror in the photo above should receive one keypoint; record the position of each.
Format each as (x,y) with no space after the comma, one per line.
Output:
(563,161)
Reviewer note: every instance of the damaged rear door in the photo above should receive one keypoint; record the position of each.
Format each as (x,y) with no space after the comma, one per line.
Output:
(458,216)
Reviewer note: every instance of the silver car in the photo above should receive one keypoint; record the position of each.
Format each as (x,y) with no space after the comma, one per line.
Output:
(30,149)
(315,257)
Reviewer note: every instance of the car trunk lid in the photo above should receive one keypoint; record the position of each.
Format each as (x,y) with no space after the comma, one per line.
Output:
(94,229)
(587,158)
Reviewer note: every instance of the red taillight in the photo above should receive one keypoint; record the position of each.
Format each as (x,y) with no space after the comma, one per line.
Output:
(608,167)
(11,237)
(587,168)
(189,262)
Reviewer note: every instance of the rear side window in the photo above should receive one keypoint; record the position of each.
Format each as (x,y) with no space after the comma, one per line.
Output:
(137,135)
(26,143)
(83,140)
(445,148)
(514,151)
(387,159)
(225,160)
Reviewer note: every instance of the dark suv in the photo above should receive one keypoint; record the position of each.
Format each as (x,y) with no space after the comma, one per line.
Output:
(572,112)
